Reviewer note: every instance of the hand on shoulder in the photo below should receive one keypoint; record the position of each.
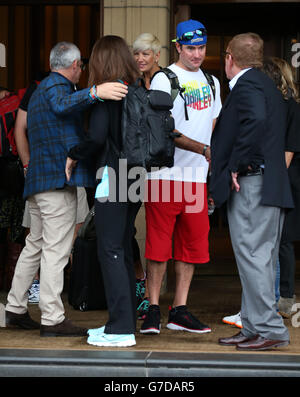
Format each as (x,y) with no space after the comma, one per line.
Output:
(112,91)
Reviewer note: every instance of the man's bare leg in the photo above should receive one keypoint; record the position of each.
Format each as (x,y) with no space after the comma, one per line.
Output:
(180,319)
(155,275)
(184,274)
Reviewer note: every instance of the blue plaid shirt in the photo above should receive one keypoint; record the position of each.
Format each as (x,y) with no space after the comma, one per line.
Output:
(55,124)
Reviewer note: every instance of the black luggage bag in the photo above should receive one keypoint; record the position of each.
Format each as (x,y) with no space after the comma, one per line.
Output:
(86,288)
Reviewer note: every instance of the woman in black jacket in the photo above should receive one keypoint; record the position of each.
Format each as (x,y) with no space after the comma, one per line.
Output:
(115,215)
(281,73)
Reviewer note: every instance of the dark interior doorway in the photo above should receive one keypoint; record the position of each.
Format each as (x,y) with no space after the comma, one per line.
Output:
(29,29)
(278,24)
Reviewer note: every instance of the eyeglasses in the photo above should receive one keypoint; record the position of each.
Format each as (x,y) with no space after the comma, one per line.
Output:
(82,66)
(189,35)
(84,62)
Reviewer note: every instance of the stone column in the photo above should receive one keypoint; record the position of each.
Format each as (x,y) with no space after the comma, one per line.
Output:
(129,18)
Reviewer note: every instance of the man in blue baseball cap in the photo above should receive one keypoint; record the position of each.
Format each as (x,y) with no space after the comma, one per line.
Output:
(191,32)
(195,111)
(191,44)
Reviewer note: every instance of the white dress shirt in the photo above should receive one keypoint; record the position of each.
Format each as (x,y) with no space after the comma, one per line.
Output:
(234,80)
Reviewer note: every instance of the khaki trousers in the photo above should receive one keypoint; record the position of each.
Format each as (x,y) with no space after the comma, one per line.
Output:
(48,247)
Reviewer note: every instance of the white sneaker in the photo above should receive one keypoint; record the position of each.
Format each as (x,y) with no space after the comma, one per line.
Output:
(112,340)
(96,331)
(234,320)
(34,292)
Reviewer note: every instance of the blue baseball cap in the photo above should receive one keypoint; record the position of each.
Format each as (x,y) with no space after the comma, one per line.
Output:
(191,32)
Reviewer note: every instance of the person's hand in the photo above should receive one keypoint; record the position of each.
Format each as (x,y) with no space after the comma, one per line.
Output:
(70,164)
(210,201)
(4,93)
(210,205)
(208,154)
(113,91)
(235,185)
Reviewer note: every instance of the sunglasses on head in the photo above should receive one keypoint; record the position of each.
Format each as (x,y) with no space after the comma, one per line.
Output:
(189,35)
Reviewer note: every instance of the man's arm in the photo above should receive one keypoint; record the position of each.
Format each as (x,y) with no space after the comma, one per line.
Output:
(80,100)
(251,113)
(112,91)
(162,83)
(185,143)
(20,133)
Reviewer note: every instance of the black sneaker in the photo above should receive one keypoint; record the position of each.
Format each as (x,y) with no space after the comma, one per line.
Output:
(182,320)
(151,324)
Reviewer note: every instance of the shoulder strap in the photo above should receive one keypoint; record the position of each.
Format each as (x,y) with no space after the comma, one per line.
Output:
(211,82)
(175,87)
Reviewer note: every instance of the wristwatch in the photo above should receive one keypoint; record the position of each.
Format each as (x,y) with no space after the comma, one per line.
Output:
(205,147)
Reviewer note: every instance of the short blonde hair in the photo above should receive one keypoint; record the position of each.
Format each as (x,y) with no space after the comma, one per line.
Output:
(247,50)
(146,41)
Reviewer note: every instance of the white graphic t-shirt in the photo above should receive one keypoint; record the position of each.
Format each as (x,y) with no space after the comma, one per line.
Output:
(202,110)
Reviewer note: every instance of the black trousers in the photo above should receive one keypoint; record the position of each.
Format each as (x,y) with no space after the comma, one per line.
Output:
(115,231)
(287,269)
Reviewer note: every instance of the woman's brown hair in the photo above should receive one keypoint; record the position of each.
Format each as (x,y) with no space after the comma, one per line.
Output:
(111,60)
(282,74)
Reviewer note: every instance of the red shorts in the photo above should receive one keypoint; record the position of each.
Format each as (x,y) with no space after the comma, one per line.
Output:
(176,217)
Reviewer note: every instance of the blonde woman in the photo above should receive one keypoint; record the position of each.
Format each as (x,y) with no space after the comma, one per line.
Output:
(146,51)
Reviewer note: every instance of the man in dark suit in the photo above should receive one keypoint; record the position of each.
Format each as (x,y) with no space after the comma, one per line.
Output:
(248,172)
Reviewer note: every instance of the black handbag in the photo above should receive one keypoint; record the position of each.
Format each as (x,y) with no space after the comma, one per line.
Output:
(86,289)
(11,176)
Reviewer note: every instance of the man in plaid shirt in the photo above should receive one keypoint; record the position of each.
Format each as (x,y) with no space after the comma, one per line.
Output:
(55,124)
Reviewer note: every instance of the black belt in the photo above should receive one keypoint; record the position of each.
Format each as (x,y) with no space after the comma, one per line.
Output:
(259,171)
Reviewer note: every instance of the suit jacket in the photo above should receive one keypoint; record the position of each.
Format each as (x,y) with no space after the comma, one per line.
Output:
(250,131)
